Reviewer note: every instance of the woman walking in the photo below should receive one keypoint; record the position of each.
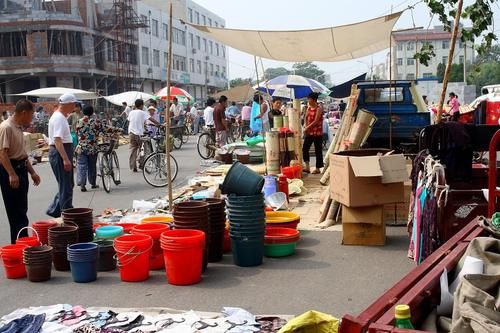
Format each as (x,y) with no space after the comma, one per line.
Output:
(313,132)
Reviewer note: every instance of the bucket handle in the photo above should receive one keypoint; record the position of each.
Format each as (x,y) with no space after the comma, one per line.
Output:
(32,229)
(130,252)
(69,222)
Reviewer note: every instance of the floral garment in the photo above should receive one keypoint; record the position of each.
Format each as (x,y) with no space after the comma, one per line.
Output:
(89,130)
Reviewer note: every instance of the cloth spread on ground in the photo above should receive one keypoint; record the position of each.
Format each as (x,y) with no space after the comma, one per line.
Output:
(64,318)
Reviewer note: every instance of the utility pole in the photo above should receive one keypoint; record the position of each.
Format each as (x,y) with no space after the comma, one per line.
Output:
(167,112)
(465,62)
(450,59)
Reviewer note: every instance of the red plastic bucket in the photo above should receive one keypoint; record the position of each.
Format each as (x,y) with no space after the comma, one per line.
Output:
(42,229)
(154,230)
(133,252)
(183,253)
(12,257)
(28,241)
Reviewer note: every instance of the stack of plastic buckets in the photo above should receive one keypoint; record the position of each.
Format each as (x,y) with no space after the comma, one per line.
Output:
(82,217)
(247,226)
(133,252)
(216,228)
(59,239)
(42,230)
(106,259)
(12,257)
(154,230)
(38,262)
(183,252)
(193,215)
(83,261)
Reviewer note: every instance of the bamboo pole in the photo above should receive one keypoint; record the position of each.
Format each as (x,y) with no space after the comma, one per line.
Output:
(450,59)
(167,111)
(298,131)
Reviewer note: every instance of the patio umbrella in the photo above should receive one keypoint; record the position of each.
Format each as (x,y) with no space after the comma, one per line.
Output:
(129,97)
(181,94)
(292,86)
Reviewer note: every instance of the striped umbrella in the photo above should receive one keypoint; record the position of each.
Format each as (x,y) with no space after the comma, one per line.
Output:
(292,86)
(181,94)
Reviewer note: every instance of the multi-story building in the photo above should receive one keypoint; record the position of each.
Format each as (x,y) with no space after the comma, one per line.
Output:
(198,62)
(105,45)
(407,43)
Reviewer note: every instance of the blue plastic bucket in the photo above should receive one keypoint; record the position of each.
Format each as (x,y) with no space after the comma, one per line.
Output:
(270,185)
(109,232)
(82,258)
(247,253)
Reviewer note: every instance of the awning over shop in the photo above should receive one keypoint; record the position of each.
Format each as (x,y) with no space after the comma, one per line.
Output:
(129,97)
(56,92)
(241,93)
(340,43)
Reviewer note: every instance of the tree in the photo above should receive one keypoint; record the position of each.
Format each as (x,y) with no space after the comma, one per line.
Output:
(479,13)
(484,74)
(271,73)
(238,82)
(440,72)
(309,70)
(493,55)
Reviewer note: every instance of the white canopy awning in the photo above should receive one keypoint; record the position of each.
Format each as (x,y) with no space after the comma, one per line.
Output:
(129,97)
(56,92)
(340,43)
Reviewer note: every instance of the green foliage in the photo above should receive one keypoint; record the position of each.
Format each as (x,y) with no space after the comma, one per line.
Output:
(479,12)
(425,54)
(238,82)
(456,72)
(309,70)
(271,73)
(484,74)
(440,72)
(493,55)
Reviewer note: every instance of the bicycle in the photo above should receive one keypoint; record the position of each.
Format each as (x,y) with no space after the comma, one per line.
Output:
(109,165)
(207,143)
(155,171)
(235,131)
(177,133)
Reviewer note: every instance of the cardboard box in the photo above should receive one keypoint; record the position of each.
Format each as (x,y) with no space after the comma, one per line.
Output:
(31,141)
(363,226)
(402,210)
(361,178)
(390,214)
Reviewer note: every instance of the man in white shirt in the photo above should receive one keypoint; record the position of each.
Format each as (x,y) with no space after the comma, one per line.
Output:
(195,115)
(137,119)
(61,154)
(177,111)
(208,113)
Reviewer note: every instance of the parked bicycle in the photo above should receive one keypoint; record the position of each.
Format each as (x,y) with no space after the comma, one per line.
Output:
(109,165)
(207,143)
(155,171)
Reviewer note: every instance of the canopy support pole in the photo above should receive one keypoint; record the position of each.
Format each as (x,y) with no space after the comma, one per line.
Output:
(167,112)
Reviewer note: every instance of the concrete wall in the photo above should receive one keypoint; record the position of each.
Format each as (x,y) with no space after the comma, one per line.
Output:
(432,89)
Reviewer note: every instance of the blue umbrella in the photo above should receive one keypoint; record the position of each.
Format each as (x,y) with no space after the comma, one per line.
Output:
(292,86)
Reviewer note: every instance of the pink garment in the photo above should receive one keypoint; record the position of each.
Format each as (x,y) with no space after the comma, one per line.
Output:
(454,105)
(245,113)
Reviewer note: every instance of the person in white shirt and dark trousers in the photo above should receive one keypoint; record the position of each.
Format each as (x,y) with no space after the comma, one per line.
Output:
(61,155)
(137,119)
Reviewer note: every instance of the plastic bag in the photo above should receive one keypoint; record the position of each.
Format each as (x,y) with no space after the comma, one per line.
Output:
(255,124)
(312,322)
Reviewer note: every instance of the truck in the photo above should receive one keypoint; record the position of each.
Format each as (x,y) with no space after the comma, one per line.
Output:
(400,110)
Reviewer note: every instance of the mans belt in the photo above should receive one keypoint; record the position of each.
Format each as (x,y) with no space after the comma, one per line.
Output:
(64,144)
(19,164)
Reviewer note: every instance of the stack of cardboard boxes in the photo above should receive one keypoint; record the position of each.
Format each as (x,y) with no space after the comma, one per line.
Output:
(363,181)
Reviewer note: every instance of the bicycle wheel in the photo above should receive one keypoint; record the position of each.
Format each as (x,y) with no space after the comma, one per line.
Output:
(155,169)
(185,134)
(177,141)
(115,168)
(206,146)
(147,149)
(105,172)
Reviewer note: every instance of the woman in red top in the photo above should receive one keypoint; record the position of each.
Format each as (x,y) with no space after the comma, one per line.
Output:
(313,132)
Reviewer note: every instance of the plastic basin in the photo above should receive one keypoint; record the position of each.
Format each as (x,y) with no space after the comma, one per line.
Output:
(279,250)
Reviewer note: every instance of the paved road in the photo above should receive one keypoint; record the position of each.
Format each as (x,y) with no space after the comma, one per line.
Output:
(323,275)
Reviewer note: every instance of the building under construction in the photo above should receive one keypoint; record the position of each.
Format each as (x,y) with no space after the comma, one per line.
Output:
(96,45)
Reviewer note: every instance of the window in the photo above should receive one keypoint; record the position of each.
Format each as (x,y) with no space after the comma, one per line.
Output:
(382,95)
(197,16)
(190,14)
(154,27)
(460,44)
(179,36)
(400,47)
(205,68)
(223,51)
(400,61)
(216,24)
(204,19)
(191,65)
(164,29)
(445,44)
(461,59)
(165,59)
(217,49)
(145,55)
(223,71)
(191,40)
(198,42)
(211,47)
(410,61)
(144,19)
(211,69)
(198,66)
(427,75)
(209,21)
(205,44)
(410,46)
(156,58)
(179,63)
(444,60)
(217,70)
(410,76)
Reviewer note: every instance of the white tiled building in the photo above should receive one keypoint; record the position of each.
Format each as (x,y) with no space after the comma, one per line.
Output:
(407,43)
(198,64)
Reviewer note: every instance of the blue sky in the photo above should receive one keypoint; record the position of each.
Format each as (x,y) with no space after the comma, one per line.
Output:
(297,14)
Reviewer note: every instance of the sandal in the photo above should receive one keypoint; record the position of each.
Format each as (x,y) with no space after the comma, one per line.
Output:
(316,171)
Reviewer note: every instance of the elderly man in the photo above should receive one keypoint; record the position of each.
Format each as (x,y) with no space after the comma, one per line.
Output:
(61,154)
(14,168)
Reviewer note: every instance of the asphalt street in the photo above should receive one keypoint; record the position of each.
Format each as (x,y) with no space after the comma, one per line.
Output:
(322,275)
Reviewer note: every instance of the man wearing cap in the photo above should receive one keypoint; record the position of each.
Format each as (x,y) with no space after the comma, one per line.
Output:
(61,154)
(14,168)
